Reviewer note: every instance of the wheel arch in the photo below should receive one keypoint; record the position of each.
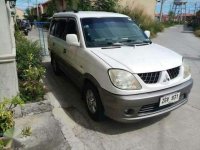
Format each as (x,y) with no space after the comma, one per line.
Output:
(88,78)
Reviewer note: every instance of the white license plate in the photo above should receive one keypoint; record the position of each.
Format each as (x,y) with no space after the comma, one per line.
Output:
(168,99)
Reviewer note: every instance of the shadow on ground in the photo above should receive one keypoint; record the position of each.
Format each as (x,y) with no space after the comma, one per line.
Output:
(69,97)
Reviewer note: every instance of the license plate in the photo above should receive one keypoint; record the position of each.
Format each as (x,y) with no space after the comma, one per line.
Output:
(168,99)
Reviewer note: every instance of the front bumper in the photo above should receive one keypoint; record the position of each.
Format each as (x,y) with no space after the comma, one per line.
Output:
(142,106)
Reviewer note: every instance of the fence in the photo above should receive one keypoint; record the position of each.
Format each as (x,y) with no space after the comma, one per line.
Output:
(42,28)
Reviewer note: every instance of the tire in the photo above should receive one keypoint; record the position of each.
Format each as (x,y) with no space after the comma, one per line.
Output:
(92,99)
(26,33)
(55,66)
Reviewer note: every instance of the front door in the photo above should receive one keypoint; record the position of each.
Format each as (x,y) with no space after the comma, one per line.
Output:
(70,52)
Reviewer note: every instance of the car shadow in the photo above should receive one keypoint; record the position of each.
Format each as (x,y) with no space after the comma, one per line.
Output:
(70,100)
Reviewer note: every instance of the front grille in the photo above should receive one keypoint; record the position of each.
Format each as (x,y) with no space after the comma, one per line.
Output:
(150,78)
(149,108)
(173,73)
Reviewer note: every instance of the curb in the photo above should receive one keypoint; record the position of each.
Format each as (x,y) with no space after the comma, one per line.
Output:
(66,124)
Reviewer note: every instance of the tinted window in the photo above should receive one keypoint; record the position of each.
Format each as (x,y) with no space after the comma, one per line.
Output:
(59,28)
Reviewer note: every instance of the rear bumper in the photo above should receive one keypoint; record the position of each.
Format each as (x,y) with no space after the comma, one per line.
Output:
(142,105)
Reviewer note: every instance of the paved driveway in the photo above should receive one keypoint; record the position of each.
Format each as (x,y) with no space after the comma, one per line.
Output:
(178,131)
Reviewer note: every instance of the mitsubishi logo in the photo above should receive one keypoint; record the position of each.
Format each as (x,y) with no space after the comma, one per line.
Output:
(166,78)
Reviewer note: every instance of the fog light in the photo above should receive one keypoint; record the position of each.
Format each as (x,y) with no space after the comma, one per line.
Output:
(129,111)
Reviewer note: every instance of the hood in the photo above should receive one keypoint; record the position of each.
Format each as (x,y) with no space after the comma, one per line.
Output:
(140,59)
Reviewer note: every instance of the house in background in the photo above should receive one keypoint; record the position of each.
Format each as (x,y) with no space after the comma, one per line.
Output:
(19,13)
(61,5)
(148,6)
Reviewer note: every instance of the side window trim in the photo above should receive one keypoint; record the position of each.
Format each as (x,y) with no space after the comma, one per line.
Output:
(52,27)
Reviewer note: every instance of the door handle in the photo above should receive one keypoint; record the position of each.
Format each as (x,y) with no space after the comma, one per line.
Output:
(64,51)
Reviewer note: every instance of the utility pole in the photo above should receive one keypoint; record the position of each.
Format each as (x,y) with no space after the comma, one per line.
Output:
(8,71)
(161,10)
(195,8)
(37,9)
(28,4)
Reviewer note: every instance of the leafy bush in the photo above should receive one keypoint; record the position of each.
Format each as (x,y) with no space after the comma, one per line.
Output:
(197,33)
(29,68)
(6,120)
(6,113)
(31,87)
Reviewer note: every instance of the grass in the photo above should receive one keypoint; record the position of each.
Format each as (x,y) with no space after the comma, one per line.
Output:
(144,21)
(197,33)
(196,30)
(27,131)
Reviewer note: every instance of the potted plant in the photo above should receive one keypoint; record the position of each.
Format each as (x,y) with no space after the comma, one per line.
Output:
(7,120)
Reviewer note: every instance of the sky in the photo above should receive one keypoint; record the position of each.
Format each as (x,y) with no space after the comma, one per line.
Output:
(23,4)
(168,4)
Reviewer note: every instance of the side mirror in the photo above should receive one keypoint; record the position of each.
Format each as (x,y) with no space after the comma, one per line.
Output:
(148,33)
(72,40)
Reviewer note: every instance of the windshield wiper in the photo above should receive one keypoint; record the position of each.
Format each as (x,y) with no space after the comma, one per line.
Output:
(113,45)
(135,42)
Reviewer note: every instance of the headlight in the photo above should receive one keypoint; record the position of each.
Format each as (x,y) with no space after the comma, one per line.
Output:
(124,80)
(187,70)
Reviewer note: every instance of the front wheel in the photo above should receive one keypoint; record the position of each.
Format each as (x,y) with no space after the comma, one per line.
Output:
(93,102)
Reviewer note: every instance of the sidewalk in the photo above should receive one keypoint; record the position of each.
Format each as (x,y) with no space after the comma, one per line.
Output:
(51,127)
(46,130)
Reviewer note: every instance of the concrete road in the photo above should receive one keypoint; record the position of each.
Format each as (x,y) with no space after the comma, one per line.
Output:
(179,130)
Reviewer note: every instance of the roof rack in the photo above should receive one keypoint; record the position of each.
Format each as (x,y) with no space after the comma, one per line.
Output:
(74,10)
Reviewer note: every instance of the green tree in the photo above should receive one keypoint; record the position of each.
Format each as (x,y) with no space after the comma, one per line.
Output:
(28,15)
(51,8)
(70,4)
(171,16)
(105,5)
(27,12)
(85,5)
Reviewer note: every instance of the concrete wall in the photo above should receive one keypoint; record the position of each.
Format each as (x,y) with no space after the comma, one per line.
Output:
(8,73)
(147,5)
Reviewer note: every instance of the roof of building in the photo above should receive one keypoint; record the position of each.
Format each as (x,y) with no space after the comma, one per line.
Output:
(19,9)
(88,14)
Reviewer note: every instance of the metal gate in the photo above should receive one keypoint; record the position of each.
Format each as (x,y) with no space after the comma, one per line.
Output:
(42,28)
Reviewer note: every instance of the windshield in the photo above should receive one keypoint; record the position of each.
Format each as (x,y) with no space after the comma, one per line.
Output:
(103,32)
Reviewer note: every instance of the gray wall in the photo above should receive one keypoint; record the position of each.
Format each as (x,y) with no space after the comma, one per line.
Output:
(8,73)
